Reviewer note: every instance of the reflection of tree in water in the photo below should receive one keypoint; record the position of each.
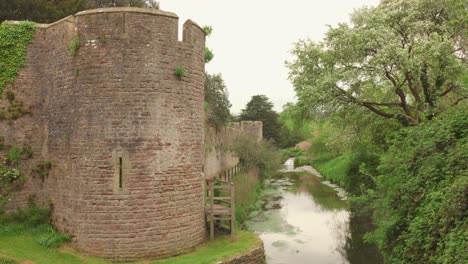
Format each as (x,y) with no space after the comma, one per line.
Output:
(323,195)
(355,249)
(340,230)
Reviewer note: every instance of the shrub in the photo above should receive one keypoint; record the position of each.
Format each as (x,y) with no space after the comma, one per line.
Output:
(421,198)
(31,216)
(254,153)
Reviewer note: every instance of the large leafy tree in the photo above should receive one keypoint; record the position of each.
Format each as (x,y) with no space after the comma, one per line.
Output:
(217,103)
(47,11)
(403,60)
(259,108)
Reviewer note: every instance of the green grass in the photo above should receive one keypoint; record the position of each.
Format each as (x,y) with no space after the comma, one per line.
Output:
(20,243)
(221,249)
(336,169)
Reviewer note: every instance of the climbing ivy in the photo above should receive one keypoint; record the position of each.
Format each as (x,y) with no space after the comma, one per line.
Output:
(14,40)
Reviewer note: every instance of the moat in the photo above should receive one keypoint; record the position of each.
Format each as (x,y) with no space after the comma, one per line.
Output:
(303,220)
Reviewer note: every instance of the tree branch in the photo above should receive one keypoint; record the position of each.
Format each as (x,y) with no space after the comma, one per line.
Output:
(400,93)
(378,111)
(448,90)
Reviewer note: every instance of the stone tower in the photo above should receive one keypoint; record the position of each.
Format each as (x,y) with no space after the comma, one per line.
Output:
(124,133)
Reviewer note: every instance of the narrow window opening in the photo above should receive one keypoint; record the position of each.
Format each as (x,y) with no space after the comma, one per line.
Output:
(120,173)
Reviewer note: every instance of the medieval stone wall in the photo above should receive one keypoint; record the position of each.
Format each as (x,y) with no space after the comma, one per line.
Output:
(218,142)
(124,134)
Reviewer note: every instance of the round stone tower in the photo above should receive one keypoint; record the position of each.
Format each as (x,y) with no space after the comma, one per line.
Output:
(125,132)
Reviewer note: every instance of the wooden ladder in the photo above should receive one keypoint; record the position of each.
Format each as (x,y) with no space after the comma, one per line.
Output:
(219,208)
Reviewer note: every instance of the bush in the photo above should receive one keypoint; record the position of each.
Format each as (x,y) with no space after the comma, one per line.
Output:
(259,154)
(31,216)
(421,198)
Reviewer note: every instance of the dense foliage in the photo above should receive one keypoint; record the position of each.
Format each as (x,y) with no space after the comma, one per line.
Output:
(257,154)
(217,103)
(403,60)
(260,108)
(421,206)
(385,96)
(47,11)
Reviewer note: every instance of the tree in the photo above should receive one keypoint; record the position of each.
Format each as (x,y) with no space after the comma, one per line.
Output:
(47,11)
(259,108)
(217,103)
(402,60)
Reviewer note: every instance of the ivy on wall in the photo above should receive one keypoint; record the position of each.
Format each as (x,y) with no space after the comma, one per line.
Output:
(14,41)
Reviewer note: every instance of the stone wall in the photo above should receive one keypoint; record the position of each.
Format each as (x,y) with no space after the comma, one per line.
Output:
(218,158)
(124,134)
(254,256)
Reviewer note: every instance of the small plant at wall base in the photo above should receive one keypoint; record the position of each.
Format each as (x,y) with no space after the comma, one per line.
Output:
(14,41)
(180,72)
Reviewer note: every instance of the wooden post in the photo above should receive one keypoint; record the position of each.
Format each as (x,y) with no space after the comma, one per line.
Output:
(211,210)
(233,216)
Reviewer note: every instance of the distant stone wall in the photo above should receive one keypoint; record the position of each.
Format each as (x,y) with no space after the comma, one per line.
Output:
(123,132)
(218,158)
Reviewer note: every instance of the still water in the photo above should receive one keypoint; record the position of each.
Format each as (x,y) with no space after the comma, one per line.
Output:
(303,220)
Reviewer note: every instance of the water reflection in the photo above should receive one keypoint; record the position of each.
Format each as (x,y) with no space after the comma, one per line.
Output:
(303,221)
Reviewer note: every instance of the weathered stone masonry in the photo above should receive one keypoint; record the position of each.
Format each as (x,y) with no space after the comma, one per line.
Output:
(125,134)
(218,142)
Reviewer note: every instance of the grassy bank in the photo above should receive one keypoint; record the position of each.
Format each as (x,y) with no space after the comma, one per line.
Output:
(27,237)
(20,245)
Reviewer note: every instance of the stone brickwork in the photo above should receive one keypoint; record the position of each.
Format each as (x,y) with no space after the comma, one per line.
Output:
(218,158)
(124,133)
(254,256)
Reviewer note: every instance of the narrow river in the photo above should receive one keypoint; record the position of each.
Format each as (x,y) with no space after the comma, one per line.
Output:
(303,220)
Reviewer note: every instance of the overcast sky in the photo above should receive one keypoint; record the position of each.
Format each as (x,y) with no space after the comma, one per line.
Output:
(253,38)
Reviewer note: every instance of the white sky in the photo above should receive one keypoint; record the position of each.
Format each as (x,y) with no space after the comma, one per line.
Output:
(252,39)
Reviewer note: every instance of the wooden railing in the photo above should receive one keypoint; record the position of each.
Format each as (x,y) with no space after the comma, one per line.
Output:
(220,208)
(219,202)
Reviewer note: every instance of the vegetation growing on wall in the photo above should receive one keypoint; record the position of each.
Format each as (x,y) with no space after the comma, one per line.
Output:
(73,46)
(180,72)
(10,176)
(14,41)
